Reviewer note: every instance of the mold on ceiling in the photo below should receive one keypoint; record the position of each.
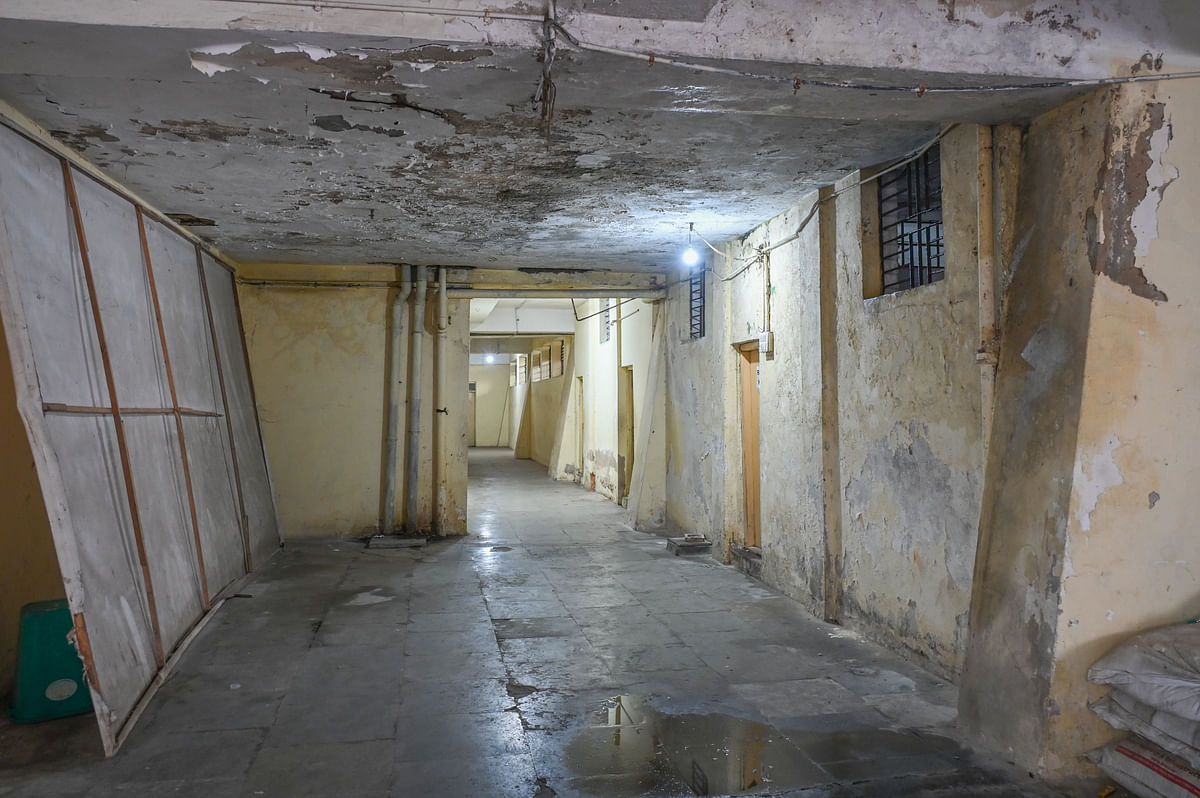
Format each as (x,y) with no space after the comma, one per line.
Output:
(332,148)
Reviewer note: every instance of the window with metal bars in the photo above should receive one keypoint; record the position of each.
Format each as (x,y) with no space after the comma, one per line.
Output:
(696,303)
(910,224)
(605,322)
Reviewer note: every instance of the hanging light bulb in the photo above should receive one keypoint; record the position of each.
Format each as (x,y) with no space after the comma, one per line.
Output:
(490,358)
(690,256)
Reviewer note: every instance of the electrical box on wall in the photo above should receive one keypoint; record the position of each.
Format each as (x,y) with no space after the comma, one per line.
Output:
(766,342)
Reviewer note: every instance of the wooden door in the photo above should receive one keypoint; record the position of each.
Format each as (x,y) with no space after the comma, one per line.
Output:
(625,429)
(750,431)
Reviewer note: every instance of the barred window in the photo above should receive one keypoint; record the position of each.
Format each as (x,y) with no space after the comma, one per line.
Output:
(605,322)
(910,224)
(696,303)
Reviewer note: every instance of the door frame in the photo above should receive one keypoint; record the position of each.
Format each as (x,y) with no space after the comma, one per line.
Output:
(749,374)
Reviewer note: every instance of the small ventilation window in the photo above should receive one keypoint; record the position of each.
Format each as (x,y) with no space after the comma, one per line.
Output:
(696,304)
(605,323)
(911,242)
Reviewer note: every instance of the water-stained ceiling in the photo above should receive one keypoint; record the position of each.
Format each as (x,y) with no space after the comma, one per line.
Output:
(335,148)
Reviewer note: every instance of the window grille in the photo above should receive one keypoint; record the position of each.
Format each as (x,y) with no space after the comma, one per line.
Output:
(696,303)
(910,224)
(605,323)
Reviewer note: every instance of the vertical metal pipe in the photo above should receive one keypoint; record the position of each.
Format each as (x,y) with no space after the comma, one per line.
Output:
(399,312)
(986,247)
(440,453)
(412,477)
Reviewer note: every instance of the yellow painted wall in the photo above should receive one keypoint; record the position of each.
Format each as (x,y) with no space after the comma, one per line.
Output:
(546,422)
(318,361)
(597,362)
(492,418)
(29,568)
(1132,555)
(318,357)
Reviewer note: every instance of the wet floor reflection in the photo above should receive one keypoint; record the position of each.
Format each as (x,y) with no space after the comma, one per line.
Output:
(631,748)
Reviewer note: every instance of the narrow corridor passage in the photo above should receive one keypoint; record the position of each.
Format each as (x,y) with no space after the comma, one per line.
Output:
(553,652)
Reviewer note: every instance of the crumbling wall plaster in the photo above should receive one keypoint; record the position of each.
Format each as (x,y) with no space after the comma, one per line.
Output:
(1132,558)
(910,432)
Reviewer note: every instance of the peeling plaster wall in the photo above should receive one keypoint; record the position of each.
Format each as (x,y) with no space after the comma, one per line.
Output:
(1131,561)
(318,356)
(1086,533)
(910,432)
(910,429)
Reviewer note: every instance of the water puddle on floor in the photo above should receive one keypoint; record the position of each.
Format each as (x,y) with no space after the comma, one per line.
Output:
(631,748)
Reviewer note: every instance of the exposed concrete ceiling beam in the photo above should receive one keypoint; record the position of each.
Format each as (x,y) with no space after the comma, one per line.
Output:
(493,283)
(556,293)
(1067,38)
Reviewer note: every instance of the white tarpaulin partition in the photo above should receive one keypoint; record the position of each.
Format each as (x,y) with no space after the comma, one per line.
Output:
(114,602)
(252,465)
(197,385)
(133,387)
(216,500)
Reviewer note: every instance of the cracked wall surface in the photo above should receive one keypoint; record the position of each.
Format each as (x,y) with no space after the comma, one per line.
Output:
(910,431)
(1095,412)
(1131,558)
(910,428)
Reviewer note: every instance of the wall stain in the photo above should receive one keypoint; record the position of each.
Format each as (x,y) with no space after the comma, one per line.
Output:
(1122,186)
(193,129)
(84,137)
(337,123)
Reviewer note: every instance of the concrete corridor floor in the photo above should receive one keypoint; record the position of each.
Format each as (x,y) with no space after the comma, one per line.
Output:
(552,652)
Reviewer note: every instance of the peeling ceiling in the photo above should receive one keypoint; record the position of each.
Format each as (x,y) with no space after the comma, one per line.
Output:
(331,148)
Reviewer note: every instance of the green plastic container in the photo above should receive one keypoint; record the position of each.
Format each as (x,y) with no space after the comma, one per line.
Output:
(49,674)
